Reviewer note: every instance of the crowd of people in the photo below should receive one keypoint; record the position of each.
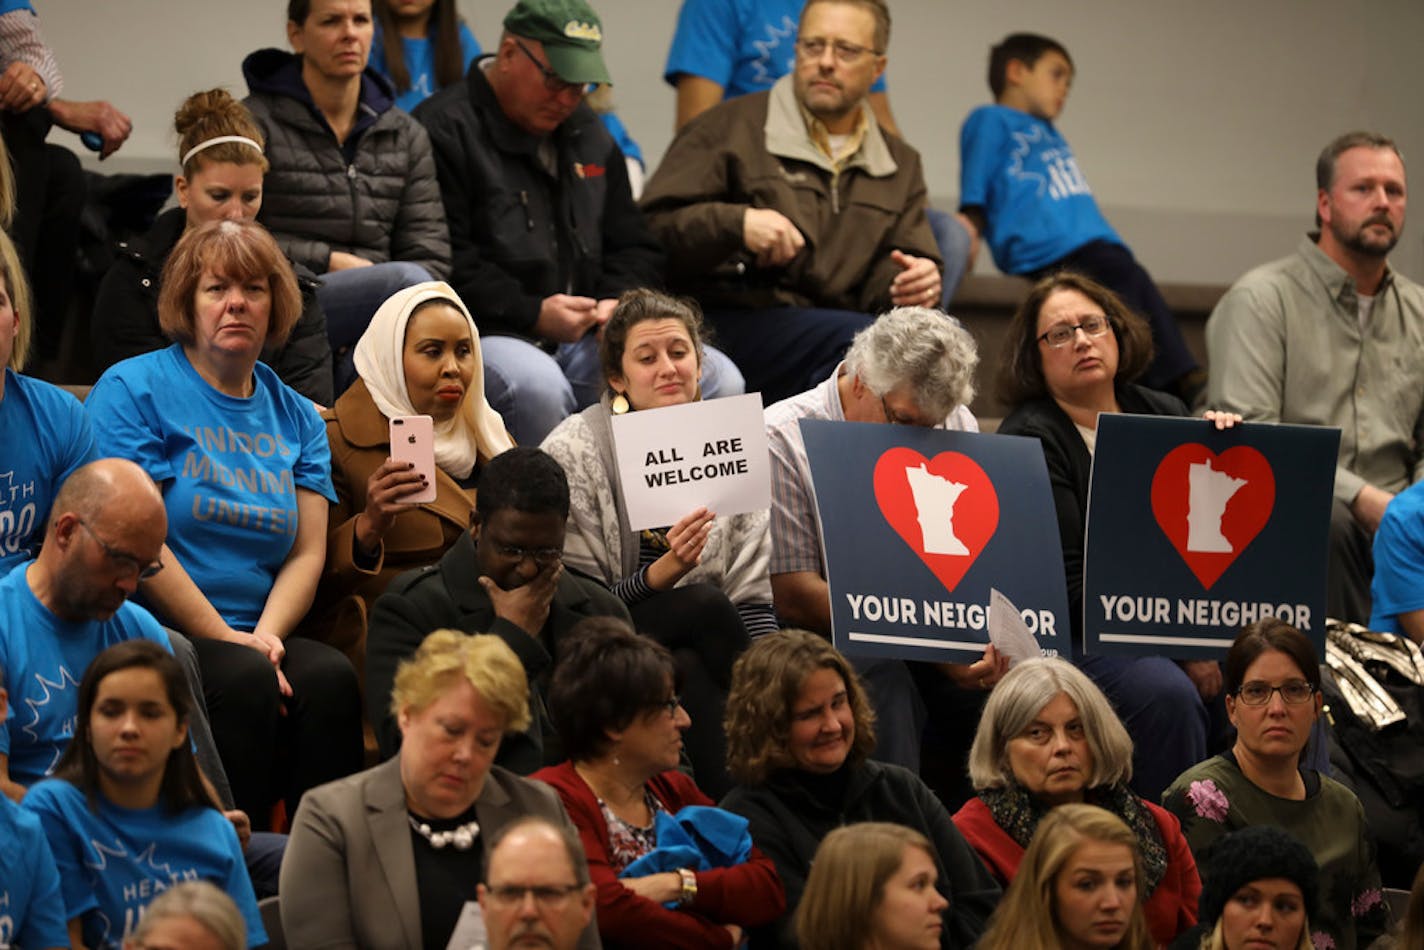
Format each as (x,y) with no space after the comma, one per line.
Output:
(249,652)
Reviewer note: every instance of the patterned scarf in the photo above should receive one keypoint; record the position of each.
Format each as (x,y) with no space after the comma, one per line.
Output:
(1018,813)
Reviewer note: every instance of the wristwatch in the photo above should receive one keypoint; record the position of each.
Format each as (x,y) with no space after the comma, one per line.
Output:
(689,886)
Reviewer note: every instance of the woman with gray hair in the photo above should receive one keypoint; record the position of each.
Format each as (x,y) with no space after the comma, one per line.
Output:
(922,355)
(192,915)
(1049,736)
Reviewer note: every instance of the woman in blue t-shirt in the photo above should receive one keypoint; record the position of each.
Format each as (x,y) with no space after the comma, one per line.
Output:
(422,46)
(126,814)
(243,463)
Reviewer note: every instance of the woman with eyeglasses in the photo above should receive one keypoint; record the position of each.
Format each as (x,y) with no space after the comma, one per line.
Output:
(1072,352)
(1274,701)
(126,813)
(391,858)
(614,701)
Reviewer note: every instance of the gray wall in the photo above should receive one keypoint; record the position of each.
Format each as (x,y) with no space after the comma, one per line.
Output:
(1197,124)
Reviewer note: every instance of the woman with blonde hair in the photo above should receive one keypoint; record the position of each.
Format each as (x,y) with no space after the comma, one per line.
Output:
(222,165)
(872,886)
(1260,893)
(389,857)
(1077,888)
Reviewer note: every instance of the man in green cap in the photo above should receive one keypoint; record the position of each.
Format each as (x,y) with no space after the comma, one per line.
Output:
(543,227)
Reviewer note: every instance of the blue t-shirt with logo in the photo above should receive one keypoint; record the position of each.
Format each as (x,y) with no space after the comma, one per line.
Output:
(44,436)
(43,659)
(31,908)
(229,468)
(741,45)
(112,863)
(420,63)
(1021,173)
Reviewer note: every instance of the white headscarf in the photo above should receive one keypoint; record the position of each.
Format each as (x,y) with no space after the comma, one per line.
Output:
(476,428)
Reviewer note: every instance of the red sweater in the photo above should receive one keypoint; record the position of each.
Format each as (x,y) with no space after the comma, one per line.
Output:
(1170,910)
(748,895)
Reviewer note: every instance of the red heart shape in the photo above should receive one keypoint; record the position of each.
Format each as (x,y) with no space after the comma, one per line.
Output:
(961,502)
(1232,493)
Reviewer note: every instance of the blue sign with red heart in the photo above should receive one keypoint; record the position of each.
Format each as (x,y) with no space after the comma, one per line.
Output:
(918,525)
(1194,532)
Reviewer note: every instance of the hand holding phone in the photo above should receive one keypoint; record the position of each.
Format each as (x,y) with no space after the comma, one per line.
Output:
(413,440)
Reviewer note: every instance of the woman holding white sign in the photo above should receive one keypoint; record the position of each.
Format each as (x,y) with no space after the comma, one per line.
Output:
(1073,351)
(1049,737)
(700,586)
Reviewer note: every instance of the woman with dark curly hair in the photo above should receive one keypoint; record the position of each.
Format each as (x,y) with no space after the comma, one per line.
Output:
(799,736)
(614,702)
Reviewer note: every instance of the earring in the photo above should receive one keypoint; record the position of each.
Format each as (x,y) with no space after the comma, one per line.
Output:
(620,404)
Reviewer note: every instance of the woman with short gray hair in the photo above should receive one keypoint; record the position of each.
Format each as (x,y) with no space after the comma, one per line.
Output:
(925,353)
(1048,736)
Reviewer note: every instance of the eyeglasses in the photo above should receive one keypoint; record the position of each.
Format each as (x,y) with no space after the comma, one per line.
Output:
(1062,334)
(847,54)
(542,556)
(672,704)
(553,82)
(1257,693)
(900,419)
(547,896)
(127,561)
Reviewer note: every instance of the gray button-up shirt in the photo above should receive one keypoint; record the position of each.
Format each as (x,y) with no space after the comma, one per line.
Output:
(1286,345)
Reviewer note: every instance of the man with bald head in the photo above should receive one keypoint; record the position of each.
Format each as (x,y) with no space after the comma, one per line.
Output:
(536,891)
(60,610)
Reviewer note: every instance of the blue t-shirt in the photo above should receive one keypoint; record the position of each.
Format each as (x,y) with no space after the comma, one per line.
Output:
(31,908)
(1021,173)
(44,436)
(420,63)
(229,468)
(43,659)
(741,45)
(113,864)
(1398,585)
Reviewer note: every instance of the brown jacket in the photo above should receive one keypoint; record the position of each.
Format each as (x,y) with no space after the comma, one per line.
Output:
(360,443)
(754,151)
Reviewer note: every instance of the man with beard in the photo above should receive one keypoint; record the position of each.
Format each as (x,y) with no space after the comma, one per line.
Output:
(791,215)
(1331,336)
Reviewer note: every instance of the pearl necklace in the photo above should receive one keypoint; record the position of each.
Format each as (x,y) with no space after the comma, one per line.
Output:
(463,837)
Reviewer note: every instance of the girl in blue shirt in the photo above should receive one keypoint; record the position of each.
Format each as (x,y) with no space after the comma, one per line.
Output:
(422,46)
(126,814)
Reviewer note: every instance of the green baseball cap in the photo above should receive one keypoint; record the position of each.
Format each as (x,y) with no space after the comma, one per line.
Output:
(570,32)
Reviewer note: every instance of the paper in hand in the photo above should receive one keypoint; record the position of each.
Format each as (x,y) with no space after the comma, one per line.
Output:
(1008,632)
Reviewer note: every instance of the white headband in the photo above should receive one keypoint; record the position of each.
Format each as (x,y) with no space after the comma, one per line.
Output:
(218,141)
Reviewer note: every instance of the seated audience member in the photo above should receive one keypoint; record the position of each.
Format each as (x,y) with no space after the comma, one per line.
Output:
(1072,352)
(1408,931)
(44,429)
(1259,893)
(535,856)
(220,149)
(29,884)
(1332,336)
(504,576)
(799,737)
(698,587)
(872,885)
(351,192)
(126,814)
(1008,152)
(1048,737)
(722,50)
(791,216)
(1397,590)
(1273,697)
(43,217)
(1079,887)
(245,471)
(614,701)
(421,46)
(189,915)
(913,366)
(389,857)
(541,258)
(420,355)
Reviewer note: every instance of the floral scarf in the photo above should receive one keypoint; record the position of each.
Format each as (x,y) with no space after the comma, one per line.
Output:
(1018,813)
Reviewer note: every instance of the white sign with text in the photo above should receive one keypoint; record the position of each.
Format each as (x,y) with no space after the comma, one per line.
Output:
(675,459)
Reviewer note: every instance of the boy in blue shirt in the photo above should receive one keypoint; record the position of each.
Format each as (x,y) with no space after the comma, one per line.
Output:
(1020,187)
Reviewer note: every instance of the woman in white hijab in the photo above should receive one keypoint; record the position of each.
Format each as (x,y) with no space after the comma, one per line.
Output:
(420,355)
